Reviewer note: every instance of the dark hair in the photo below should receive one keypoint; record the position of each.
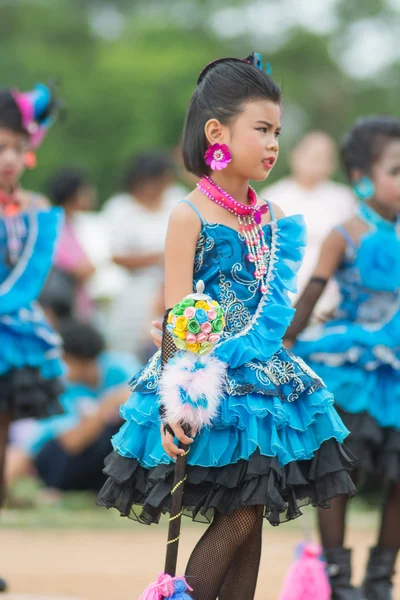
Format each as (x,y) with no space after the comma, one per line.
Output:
(64,184)
(222,90)
(364,144)
(10,117)
(145,167)
(81,339)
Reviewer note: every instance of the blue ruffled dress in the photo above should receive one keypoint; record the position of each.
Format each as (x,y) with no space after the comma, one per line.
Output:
(357,353)
(277,438)
(30,365)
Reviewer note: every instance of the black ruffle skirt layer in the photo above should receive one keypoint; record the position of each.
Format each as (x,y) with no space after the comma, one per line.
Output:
(144,494)
(376,448)
(26,394)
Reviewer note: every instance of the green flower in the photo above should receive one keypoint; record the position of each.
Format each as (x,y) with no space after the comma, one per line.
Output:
(217,325)
(205,348)
(193,326)
(187,302)
(220,312)
(178,309)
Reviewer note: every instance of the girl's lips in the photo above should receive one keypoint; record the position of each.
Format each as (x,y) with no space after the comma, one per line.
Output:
(269,162)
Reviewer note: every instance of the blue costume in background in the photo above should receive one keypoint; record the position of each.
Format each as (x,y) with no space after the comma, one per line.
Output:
(276,440)
(30,365)
(357,353)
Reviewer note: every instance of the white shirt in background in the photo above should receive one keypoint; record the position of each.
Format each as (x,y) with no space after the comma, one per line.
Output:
(132,229)
(323,207)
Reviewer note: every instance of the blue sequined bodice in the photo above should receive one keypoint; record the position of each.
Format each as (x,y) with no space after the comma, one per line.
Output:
(5,266)
(221,262)
(369,278)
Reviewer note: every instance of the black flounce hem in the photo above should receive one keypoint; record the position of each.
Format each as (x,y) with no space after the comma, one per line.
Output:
(377,448)
(27,394)
(144,494)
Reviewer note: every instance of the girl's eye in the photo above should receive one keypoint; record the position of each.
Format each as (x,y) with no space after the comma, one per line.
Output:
(263,129)
(277,134)
(394,171)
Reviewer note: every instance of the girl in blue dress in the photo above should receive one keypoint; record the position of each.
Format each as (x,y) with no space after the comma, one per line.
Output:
(275,444)
(357,352)
(30,365)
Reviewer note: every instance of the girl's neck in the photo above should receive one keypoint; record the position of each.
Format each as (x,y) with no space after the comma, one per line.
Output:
(235,186)
(9,190)
(386,212)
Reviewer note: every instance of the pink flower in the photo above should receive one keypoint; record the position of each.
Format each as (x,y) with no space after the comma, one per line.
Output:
(206,327)
(202,337)
(189,312)
(191,338)
(218,156)
(214,338)
(211,315)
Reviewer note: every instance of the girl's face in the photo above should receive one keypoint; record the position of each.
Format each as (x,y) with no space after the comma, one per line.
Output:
(13,148)
(386,176)
(253,140)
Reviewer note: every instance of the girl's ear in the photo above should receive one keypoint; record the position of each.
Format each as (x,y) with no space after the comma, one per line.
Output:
(214,132)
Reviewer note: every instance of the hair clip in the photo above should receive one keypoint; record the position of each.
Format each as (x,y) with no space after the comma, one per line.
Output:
(255,59)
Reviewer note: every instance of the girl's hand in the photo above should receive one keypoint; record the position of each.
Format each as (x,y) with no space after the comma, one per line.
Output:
(288,343)
(156,333)
(168,440)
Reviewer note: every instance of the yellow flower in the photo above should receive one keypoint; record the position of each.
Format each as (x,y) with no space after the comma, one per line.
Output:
(170,317)
(193,347)
(214,303)
(179,334)
(181,323)
(202,304)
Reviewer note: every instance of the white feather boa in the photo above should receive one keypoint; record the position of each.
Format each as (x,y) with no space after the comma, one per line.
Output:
(191,388)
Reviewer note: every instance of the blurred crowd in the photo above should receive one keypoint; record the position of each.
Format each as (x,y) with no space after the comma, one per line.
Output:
(106,287)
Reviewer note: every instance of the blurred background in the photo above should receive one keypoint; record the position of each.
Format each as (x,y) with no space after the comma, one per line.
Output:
(125,71)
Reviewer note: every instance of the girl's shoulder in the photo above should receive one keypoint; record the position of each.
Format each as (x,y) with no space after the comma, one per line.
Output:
(33,200)
(351,230)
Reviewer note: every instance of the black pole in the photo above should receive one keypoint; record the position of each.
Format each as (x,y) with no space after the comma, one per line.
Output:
(175,518)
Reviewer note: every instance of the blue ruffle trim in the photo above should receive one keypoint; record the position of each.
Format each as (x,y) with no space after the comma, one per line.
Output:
(263,336)
(25,281)
(26,340)
(260,418)
(357,390)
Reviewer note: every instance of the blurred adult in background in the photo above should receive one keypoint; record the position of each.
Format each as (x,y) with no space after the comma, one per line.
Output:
(137,219)
(71,189)
(323,203)
(67,451)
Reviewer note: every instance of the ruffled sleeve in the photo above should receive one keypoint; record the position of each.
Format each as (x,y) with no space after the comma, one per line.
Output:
(25,281)
(263,335)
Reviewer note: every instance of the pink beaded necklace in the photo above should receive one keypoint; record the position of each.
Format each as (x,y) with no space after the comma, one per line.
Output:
(249,218)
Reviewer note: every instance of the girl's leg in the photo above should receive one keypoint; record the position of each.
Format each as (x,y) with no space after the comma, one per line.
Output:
(378,580)
(389,536)
(241,580)
(216,551)
(5,420)
(332,524)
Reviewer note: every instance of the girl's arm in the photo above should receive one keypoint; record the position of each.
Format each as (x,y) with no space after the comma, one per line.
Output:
(330,258)
(138,261)
(183,232)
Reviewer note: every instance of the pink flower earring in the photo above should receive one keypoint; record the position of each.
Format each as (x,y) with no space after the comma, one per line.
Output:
(218,157)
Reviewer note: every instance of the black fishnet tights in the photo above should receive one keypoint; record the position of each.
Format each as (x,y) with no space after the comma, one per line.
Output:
(225,561)
(332,522)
